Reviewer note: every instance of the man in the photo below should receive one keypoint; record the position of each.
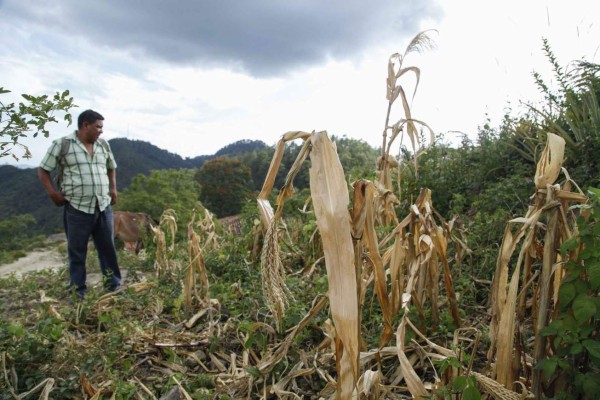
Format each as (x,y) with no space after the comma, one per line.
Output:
(88,189)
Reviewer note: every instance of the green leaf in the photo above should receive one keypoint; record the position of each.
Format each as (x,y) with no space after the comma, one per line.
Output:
(552,328)
(563,364)
(576,349)
(569,323)
(594,274)
(581,286)
(587,252)
(16,330)
(548,366)
(453,361)
(569,245)
(573,274)
(460,383)
(566,293)
(591,386)
(593,347)
(594,192)
(248,344)
(255,372)
(586,330)
(558,341)
(583,308)
(471,393)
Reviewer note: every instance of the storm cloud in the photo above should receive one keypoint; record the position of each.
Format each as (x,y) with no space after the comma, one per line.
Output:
(259,37)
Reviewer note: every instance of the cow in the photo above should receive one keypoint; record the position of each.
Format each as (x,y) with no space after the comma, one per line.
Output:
(132,228)
(231,224)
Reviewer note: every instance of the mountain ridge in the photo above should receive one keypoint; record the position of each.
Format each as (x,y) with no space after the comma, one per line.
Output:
(23,194)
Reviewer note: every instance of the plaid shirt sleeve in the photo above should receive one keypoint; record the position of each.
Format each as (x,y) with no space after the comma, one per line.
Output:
(110,158)
(50,160)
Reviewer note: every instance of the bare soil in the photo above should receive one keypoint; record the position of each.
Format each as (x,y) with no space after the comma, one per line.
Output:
(35,261)
(50,258)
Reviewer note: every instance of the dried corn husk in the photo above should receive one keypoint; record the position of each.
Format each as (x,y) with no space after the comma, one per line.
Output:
(330,196)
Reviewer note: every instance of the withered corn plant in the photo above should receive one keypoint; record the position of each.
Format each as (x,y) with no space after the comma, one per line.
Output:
(405,268)
(196,280)
(168,222)
(387,199)
(525,290)
(274,287)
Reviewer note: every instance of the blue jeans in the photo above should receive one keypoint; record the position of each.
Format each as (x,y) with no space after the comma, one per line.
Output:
(78,227)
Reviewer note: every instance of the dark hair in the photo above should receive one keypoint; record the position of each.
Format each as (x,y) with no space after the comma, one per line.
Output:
(89,116)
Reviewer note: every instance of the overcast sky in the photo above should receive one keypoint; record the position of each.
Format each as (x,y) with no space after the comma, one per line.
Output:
(192,76)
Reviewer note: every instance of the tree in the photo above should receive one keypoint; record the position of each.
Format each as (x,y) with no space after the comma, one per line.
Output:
(572,111)
(16,121)
(225,184)
(161,190)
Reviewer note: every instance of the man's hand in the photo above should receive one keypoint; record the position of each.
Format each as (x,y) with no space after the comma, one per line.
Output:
(58,198)
(113,197)
(112,186)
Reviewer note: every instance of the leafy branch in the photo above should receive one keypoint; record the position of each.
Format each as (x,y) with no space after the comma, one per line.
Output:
(17,121)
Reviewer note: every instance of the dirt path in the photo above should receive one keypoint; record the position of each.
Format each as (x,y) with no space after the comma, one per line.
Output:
(46,259)
(34,261)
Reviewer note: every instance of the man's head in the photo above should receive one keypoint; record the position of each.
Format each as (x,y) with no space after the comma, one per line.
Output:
(90,124)
(89,116)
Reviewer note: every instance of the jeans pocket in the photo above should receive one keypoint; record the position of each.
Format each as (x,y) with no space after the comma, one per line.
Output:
(72,212)
(69,208)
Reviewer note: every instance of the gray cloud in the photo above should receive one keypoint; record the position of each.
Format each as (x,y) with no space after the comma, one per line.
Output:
(260,37)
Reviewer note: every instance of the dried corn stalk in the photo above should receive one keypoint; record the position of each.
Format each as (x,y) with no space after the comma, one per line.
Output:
(416,261)
(208,232)
(274,288)
(363,227)
(196,265)
(420,245)
(167,219)
(395,90)
(541,232)
(414,383)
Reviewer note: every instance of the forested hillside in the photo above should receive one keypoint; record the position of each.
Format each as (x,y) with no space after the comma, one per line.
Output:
(139,158)
(23,194)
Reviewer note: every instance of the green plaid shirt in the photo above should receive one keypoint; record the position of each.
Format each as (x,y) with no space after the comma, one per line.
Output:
(85,178)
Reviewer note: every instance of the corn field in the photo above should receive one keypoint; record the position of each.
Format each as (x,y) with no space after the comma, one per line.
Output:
(399,263)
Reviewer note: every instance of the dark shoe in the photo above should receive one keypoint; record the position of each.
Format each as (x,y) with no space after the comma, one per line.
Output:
(77,297)
(114,288)
(77,293)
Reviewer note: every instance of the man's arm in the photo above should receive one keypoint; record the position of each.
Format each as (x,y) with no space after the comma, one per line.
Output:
(112,186)
(57,197)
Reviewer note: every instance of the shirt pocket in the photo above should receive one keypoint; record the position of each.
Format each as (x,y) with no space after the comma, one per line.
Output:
(71,159)
(100,158)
